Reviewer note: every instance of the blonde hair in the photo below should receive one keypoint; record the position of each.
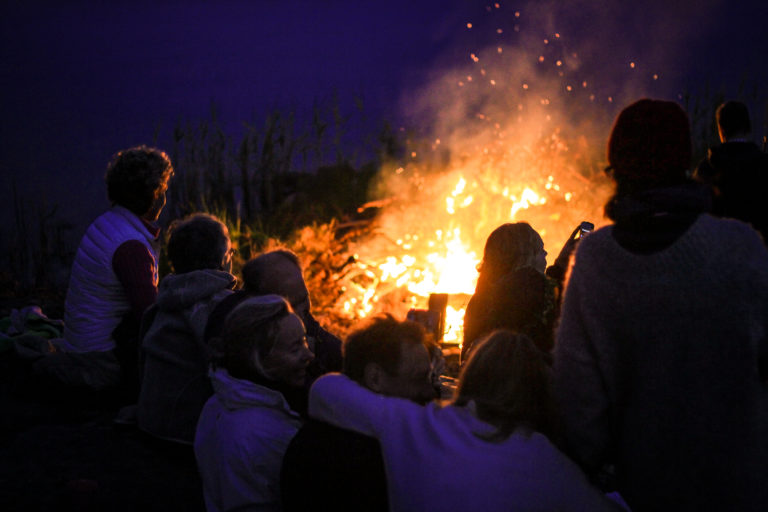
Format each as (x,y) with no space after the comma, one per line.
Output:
(249,335)
(509,381)
(508,247)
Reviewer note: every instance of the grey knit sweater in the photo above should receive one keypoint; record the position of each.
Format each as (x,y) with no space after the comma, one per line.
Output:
(657,367)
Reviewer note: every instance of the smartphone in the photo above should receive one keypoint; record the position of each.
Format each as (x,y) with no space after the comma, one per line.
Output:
(585,227)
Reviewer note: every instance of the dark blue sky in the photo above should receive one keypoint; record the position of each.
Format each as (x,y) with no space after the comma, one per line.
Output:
(81,81)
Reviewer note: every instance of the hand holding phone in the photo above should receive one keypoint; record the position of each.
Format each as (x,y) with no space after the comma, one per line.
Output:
(570,245)
(583,229)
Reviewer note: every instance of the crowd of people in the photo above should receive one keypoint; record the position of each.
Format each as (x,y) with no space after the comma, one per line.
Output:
(629,375)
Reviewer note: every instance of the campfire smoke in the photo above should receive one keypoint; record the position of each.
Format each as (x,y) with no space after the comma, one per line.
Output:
(514,133)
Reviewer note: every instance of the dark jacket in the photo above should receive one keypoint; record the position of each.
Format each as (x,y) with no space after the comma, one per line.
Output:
(329,468)
(651,220)
(525,300)
(738,173)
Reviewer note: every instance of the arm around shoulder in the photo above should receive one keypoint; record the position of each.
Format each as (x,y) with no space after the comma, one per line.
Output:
(340,401)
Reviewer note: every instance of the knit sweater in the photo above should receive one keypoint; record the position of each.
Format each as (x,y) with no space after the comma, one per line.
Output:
(435,460)
(657,366)
(175,383)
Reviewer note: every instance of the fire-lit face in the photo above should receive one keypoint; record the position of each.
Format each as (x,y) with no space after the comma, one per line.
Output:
(158,204)
(540,260)
(289,358)
(412,379)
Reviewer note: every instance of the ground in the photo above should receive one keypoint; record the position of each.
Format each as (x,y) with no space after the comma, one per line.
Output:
(63,452)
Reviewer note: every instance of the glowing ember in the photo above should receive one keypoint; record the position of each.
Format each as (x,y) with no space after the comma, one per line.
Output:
(498,154)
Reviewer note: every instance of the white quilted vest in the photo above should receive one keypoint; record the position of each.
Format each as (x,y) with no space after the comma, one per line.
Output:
(96,301)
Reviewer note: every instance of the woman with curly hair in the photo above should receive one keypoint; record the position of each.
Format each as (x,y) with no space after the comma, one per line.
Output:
(513,291)
(114,276)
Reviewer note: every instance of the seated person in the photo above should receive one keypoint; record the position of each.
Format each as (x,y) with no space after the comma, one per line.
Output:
(279,272)
(488,450)
(512,290)
(175,383)
(245,427)
(114,277)
(329,468)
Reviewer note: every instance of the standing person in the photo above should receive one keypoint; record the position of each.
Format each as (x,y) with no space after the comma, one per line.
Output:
(661,353)
(487,451)
(329,468)
(737,169)
(114,277)
(245,428)
(512,289)
(175,383)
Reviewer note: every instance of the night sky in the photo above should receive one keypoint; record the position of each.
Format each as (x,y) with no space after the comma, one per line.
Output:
(84,80)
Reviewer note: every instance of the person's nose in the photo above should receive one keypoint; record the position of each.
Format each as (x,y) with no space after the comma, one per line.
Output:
(308,355)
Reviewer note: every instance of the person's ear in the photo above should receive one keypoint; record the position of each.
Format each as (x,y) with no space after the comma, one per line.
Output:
(373,377)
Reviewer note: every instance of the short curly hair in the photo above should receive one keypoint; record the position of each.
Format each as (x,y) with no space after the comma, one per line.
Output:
(136,177)
(508,247)
(197,242)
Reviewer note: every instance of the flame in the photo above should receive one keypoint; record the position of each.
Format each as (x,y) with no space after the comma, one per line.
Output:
(443,260)
(514,155)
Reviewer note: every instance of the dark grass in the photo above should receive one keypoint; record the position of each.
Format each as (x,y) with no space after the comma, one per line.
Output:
(60,450)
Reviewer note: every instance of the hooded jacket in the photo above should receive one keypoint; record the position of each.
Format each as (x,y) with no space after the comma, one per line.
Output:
(242,436)
(175,383)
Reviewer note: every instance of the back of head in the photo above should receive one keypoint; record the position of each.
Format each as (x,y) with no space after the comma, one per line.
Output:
(391,358)
(508,247)
(136,177)
(259,272)
(379,342)
(733,120)
(278,272)
(198,242)
(650,145)
(508,379)
(249,335)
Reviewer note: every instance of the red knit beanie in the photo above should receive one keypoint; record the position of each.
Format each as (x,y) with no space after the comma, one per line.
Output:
(650,141)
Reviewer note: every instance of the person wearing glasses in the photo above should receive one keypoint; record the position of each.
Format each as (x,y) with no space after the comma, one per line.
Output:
(175,356)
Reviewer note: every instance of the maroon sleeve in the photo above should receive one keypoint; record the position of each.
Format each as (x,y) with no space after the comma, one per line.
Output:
(134,266)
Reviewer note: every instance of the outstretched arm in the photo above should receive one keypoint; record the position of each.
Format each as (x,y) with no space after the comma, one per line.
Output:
(340,401)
